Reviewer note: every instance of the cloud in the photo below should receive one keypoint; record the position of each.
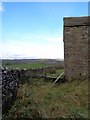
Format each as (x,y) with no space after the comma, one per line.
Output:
(37,37)
(54,39)
(27,50)
(1,7)
(33,46)
(49,39)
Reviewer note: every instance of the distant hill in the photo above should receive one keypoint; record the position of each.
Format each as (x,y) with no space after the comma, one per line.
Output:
(31,63)
(45,61)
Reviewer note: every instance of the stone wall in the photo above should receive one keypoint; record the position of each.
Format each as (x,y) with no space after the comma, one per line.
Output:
(10,80)
(10,84)
(32,73)
(76,47)
(0,94)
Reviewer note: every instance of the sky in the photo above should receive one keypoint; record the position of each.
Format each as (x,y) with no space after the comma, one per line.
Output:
(35,29)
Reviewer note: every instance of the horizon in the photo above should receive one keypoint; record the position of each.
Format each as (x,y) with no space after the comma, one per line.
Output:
(35,30)
(34,59)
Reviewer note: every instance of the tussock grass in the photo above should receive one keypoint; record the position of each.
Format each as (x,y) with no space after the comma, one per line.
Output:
(39,99)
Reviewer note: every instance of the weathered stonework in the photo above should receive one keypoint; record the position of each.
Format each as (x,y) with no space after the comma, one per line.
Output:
(76,48)
(12,78)
(10,84)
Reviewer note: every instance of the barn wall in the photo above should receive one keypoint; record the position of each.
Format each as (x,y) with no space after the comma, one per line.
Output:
(76,47)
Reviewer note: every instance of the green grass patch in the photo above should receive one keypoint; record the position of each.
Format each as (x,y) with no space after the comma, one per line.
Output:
(57,73)
(39,99)
(25,65)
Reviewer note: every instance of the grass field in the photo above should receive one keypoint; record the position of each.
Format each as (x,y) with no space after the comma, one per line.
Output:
(39,99)
(31,63)
(26,66)
(56,74)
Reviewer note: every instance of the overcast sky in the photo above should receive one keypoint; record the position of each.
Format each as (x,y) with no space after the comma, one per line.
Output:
(35,30)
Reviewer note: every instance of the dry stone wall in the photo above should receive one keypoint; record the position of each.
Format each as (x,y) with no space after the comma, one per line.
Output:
(10,80)
(35,73)
(38,72)
(10,84)
(76,48)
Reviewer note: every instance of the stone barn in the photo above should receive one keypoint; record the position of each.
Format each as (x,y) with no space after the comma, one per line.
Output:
(76,47)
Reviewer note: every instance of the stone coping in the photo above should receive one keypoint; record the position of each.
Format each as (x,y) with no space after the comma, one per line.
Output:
(76,21)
